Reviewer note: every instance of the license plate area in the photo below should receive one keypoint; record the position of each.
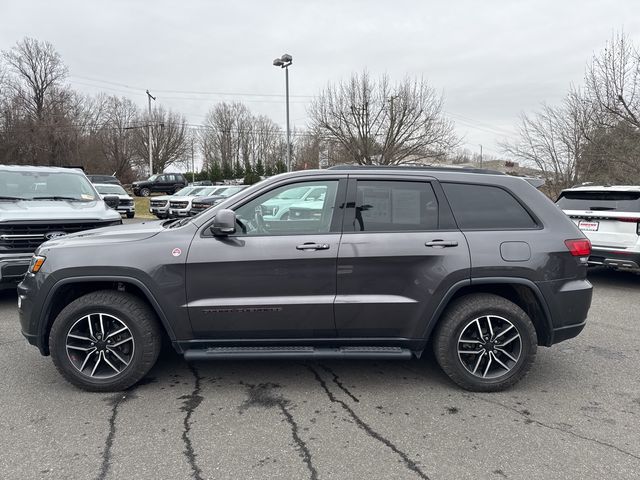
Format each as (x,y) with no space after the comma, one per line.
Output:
(588,225)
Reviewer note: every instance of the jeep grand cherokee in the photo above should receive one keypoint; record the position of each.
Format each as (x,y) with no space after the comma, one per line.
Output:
(482,264)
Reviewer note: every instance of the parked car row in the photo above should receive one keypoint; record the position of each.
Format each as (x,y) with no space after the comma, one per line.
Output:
(190,201)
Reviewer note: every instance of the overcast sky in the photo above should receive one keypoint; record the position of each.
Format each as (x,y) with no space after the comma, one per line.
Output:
(491,59)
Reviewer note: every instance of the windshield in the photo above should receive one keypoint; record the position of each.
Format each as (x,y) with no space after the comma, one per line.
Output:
(110,190)
(604,201)
(206,191)
(43,185)
(231,190)
(187,191)
(293,194)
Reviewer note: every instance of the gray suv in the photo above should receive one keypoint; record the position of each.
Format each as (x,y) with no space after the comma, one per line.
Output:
(477,265)
(40,203)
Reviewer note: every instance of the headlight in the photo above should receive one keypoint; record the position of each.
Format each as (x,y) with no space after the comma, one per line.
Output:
(36,263)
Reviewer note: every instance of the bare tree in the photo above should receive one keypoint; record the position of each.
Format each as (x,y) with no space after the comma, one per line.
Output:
(171,142)
(38,69)
(116,134)
(233,136)
(613,81)
(554,139)
(380,123)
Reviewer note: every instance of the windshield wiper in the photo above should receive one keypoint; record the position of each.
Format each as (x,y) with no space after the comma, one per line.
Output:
(59,197)
(4,197)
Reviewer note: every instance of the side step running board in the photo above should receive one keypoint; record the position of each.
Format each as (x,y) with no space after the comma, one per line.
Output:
(297,353)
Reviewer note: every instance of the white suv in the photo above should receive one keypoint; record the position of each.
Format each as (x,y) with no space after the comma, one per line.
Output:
(610,217)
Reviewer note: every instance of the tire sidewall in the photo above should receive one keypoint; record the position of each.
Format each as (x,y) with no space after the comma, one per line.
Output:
(529,343)
(57,342)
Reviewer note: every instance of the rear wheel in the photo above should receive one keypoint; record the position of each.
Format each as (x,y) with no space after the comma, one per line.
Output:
(485,343)
(105,341)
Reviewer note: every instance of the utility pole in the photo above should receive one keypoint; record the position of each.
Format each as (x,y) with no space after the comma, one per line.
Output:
(480,156)
(151,97)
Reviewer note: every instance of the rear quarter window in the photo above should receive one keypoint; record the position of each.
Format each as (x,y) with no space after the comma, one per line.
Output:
(484,207)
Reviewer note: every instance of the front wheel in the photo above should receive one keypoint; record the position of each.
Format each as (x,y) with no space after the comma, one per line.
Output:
(130,214)
(105,341)
(145,192)
(485,343)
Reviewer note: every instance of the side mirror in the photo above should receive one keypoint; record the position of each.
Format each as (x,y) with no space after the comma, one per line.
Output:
(224,223)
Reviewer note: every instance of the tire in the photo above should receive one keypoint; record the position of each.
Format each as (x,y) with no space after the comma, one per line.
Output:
(130,214)
(145,192)
(115,310)
(457,347)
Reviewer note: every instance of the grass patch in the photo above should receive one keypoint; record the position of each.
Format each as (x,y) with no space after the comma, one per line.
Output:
(142,207)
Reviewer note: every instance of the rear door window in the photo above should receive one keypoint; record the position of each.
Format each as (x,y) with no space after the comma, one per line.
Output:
(600,201)
(395,206)
(484,207)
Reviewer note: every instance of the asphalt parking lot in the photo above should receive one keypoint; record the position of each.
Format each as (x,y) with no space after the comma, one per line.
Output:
(577,415)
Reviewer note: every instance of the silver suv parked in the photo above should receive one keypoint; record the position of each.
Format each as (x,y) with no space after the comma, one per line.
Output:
(41,203)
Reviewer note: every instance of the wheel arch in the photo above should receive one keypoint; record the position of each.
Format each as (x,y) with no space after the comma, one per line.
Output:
(69,289)
(521,291)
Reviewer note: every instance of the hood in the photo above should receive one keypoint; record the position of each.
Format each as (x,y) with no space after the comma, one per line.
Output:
(209,199)
(122,196)
(116,234)
(54,210)
(163,198)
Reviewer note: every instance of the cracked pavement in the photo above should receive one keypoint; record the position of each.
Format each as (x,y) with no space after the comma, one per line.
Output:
(577,414)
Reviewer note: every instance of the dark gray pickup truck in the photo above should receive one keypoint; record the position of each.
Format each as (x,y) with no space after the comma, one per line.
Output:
(480,266)
(41,203)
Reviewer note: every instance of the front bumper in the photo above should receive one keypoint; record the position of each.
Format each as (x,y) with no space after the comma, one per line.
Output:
(178,212)
(126,209)
(13,267)
(28,326)
(615,258)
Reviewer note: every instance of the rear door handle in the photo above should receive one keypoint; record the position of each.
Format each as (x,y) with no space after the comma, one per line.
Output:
(441,243)
(313,246)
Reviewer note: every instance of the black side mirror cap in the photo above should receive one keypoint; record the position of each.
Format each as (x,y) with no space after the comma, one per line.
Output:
(224,223)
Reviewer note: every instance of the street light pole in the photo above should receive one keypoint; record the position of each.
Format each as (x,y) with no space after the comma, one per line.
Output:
(150,145)
(284,62)
(286,76)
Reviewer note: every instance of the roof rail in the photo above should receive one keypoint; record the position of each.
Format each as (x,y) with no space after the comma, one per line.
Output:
(437,168)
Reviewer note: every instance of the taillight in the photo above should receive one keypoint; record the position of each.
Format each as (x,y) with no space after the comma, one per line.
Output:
(628,219)
(579,247)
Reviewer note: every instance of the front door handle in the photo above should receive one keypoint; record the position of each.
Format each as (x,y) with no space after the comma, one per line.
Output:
(441,243)
(313,246)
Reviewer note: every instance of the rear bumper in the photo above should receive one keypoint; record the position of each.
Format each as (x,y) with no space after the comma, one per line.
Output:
(612,258)
(568,302)
(570,331)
